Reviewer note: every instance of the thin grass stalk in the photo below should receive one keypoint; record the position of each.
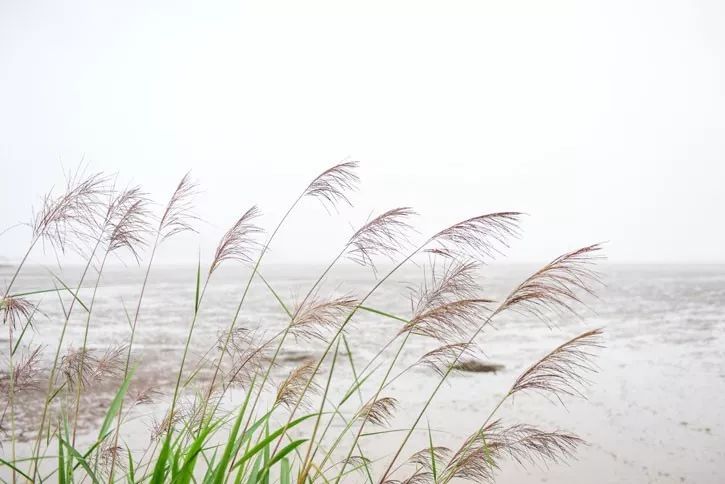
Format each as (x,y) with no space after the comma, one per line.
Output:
(430,399)
(286,331)
(11,399)
(283,335)
(20,266)
(127,364)
(329,187)
(184,355)
(349,424)
(336,408)
(576,280)
(217,366)
(380,352)
(374,398)
(85,343)
(339,331)
(466,233)
(11,396)
(307,462)
(51,379)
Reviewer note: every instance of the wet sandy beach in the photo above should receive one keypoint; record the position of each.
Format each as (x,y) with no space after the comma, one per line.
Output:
(655,410)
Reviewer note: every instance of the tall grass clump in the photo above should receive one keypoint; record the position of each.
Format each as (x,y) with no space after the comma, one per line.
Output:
(230,412)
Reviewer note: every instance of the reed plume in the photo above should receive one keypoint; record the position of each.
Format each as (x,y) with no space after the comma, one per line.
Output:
(479,458)
(449,321)
(479,236)
(25,373)
(248,355)
(442,358)
(384,235)
(424,457)
(447,306)
(315,316)
(15,310)
(331,185)
(238,242)
(110,455)
(145,395)
(378,412)
(296,383)
(72,214)
(178,215)
(420,476)
(560,372)
(456,280)
(83,367)
(128,220)
(556,287)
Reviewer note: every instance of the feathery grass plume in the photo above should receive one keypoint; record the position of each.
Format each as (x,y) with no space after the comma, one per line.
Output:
(110,364)
(72,214)
(15,310)
(357,462)
(187,413)
(378,412)
(178,216)
(525,443)
(128,219)
(170,420)
(560,371)
(480,236)
(474,461)
(422,458)
(238,242)
(556,287)
(330,185)
(82,367)
(248,355)
(446,306)
(448,321)
(385,235)
(292,387)
(78,366)
(145,395)
(315,316)
(478,459)
(110,453)
(420,476)
(25,373)
(456,280)
(442,358)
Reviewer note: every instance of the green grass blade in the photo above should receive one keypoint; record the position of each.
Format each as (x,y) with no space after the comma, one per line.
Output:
(279,456)
(232,442)
(61,464)
(70,291)
(159,473)
(254,475)
(261,445)
(265,455)
(284,472)
(185,473)
(432,455)
(6,463)
(130,472)
(115,406)
(81,460)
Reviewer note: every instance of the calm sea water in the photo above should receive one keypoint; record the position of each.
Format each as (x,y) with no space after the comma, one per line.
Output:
(655,410)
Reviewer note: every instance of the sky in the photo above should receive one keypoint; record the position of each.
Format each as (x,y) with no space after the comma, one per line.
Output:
(601,120)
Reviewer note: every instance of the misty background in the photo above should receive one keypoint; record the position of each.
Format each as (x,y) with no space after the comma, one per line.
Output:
(602,120)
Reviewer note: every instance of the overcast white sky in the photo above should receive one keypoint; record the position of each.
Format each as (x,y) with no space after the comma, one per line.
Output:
(602,120)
